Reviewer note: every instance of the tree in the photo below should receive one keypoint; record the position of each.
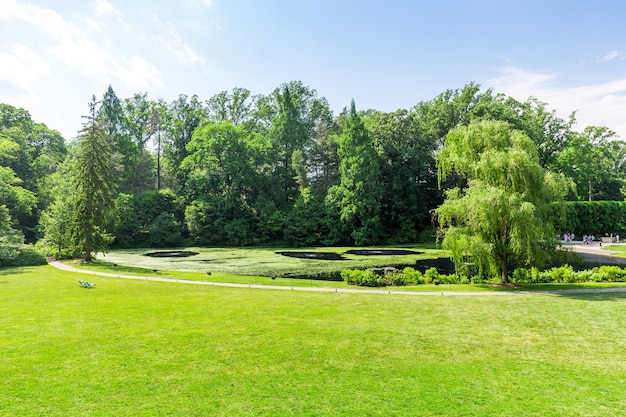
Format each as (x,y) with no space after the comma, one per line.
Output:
(287,135)
(235,107)
(222,184)
(497,220)
(124,151)
(54,224)
(184,115)
(358,195)
(94,186)
(30,151)
(407,173)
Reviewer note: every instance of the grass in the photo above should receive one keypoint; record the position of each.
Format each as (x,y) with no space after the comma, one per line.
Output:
(264,261)
(620,249)
(142,348)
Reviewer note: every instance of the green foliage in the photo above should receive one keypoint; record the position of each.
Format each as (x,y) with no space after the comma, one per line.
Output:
(304,223)
(94,187)
(281,167)
(12,254)
(498,218)
(408,276)
(409,187)
(358,195)
(363,278)
(566,274)
(413,276)
(589,217)
(431,276)
(164,231)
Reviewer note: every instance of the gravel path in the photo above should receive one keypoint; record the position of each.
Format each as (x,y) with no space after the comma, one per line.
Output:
(65,267)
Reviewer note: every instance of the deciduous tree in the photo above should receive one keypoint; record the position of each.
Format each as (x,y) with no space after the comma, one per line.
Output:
(498,218)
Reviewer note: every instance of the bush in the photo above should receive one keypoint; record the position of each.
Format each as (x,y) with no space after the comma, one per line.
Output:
(566,274)
(431,276)
(20,255)
(413,276)
(609,273)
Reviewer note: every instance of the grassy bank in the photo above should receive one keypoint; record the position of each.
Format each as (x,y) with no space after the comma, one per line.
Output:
(129,348)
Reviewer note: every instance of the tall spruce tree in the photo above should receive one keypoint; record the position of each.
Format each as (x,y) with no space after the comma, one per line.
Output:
(94,186)
(358,195)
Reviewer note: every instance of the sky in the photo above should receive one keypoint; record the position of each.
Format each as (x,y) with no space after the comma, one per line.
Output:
(386,55)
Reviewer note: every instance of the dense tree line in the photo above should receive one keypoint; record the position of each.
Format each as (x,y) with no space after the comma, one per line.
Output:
(245,169)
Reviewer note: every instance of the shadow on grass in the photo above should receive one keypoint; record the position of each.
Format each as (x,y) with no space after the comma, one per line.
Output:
(12,270)
(595,296)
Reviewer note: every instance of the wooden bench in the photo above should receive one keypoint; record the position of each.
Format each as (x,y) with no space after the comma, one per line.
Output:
(86,284)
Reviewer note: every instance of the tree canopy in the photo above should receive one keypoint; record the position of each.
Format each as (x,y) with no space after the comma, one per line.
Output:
(497,218)
(281,168)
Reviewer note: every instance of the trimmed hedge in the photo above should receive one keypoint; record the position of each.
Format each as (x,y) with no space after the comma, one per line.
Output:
(20,255)
(582,217)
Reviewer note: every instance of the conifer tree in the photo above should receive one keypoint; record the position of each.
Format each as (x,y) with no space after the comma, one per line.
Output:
(94,186)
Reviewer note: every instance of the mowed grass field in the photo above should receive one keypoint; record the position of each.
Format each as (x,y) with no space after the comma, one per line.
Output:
(143,348)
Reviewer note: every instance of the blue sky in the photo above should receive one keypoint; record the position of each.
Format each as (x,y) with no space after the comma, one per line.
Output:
(386,55)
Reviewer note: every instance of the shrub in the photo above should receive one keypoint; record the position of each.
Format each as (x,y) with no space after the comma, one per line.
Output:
(449,279)
(431,276)
(609,273)
(364,278)
(20,255)
(563,273)
(412,276)
(395,278)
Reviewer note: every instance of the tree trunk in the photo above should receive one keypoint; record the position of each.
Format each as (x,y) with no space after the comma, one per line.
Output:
(504,270)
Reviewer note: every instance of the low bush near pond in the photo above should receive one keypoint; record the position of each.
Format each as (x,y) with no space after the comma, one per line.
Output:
(410,276)
(567,274)
(369,278)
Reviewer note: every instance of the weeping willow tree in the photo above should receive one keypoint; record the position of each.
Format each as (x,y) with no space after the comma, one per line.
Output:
(498,217)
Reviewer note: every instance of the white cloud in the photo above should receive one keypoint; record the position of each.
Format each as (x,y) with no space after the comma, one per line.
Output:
(21,69)
(50,64)
(86,53)
(174,43)
(104,8)
(602,104)
(612,55)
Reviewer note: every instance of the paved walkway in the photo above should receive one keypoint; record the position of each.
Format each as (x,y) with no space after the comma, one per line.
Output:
(65,267)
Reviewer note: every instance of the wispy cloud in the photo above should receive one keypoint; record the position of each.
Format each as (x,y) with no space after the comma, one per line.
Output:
(21,68)
(55,62)
(85,52)
(610,56)
(613,55)
(595,104)
(104,8)
(172,41)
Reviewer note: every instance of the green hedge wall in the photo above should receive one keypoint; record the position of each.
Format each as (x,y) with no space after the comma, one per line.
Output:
(585,217)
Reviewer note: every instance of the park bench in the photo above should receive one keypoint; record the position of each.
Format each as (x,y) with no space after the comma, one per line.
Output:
(86,284)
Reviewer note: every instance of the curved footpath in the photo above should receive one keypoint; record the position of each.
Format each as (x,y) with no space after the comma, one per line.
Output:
(65,267)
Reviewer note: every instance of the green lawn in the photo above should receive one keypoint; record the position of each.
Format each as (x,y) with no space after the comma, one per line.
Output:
(109,268)
(142,348)
(620,249)
(264,261)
